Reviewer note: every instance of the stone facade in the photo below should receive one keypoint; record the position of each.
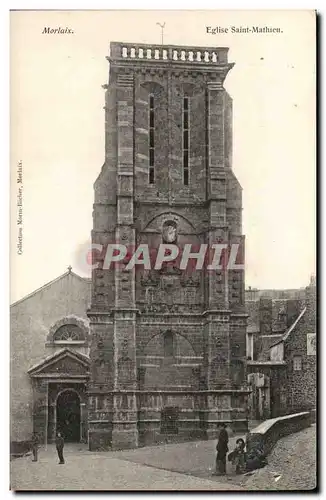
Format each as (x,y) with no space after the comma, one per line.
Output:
(168,350)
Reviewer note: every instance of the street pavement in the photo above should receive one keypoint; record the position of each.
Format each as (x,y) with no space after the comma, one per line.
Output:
(182,466)
(86,470)
(196,458)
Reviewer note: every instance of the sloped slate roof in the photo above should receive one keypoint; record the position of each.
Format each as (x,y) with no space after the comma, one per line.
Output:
(292,327)
(278,305)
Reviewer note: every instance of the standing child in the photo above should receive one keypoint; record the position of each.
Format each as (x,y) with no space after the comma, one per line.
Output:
(35,443)
(222,449)
(59,443)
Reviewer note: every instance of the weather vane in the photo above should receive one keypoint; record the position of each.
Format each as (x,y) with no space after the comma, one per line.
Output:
(162,26)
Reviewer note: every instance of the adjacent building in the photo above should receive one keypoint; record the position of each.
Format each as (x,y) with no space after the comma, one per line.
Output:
(281,351)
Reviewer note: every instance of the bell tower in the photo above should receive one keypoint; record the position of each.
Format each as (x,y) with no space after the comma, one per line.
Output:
(166,341)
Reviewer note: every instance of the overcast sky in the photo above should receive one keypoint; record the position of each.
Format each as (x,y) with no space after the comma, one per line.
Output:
(57,130)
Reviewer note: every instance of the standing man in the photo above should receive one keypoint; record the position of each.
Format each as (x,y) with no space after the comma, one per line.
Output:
(59,443)
(35,444)
(222,449)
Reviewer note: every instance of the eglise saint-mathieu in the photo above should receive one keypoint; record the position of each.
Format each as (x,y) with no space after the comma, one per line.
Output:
(136,356)
(168,348)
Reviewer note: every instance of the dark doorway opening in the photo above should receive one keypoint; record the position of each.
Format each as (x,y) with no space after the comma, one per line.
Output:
(68,416)
(169,420)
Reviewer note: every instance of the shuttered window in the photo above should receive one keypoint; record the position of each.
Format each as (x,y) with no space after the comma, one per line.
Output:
(297,363)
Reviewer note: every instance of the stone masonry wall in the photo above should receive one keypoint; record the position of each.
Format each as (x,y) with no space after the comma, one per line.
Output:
(302,383)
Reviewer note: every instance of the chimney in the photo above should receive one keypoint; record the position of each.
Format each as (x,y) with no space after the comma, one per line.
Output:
(265,315)
(293,308)
(310,302)
(282,318)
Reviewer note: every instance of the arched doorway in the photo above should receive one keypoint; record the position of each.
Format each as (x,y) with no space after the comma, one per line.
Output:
(259,399)
(68,415)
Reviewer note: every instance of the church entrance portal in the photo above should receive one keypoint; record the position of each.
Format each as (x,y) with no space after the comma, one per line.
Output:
(68,415)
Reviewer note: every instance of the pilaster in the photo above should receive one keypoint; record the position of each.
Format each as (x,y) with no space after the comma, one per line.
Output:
(124,423)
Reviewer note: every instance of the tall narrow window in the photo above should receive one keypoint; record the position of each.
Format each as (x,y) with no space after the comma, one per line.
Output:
(186,141)
(141,377)
(168,344)
(151,139)
(100,402)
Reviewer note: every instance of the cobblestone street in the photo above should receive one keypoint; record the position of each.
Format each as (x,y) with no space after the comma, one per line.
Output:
(183,466)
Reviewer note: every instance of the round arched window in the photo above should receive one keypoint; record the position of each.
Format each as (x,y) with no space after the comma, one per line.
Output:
(69,333)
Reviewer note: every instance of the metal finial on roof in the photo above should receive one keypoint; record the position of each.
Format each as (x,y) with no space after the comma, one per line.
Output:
(162,26)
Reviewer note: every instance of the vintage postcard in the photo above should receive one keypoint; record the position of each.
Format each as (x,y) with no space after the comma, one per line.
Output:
(163,290)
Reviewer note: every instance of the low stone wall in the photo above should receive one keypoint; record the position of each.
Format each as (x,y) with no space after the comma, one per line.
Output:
(265,436)
(313,415)
(19,449)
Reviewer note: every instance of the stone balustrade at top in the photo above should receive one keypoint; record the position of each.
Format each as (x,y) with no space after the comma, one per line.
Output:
(168,53)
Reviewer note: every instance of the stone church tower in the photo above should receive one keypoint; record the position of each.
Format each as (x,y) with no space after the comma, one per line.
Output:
(168,349)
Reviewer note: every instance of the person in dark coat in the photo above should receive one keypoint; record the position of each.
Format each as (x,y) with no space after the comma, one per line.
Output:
(222,449)
(59,443)
(35,443)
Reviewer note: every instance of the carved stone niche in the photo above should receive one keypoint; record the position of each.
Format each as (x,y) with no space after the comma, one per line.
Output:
(237,372)
(100,355)
(99,369)
(218,342)
(235,350)
(168,284)
(125,369)
(174,308)
(170,269)
(156,308)
(124,347)
(219,369)
(150,279)
(169,232)
(190,282)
